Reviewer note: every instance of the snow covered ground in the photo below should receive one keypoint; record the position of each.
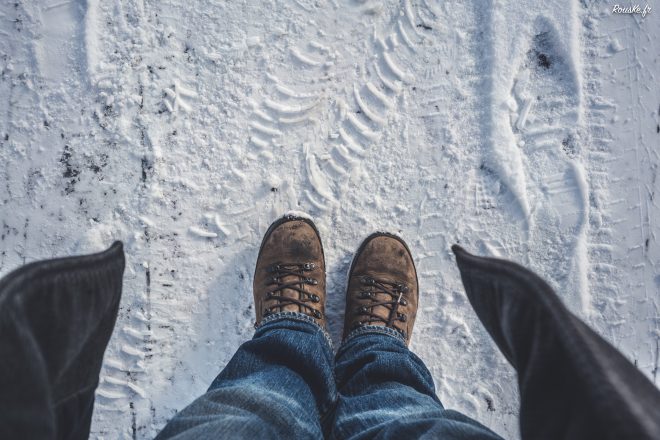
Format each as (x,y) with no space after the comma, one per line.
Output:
(528,130)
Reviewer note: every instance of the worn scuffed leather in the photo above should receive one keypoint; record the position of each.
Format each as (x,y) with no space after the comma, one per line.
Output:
(291,241)
(384,258)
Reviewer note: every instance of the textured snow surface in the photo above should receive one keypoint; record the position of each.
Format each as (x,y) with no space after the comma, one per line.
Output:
(527,130)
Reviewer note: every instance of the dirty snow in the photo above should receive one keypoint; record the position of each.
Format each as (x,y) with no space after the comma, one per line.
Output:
(523,130)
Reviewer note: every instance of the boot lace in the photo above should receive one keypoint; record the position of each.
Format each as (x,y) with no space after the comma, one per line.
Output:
(394,290)
(279,271)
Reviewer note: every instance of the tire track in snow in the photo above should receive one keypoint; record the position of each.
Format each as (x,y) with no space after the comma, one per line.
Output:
(358,115)
(362,116)
(14,231)
(599,113)
(125,381)
(622,170)
(296,106)
(459,202)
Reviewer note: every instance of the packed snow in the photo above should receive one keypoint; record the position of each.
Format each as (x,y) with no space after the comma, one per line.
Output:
(525,130)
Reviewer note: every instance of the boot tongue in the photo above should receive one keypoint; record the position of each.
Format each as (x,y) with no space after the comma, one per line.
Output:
(384,311)
(291,293)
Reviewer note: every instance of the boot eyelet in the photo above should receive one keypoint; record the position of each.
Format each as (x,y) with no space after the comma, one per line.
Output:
(365,295)
(368,281)
(403,318)
(315,298)
(403,302)
(309,266)
(362,310)
(311,281)
(317,314)
(275,280)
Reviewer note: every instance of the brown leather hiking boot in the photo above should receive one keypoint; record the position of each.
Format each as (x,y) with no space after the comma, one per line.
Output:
(290,271)
(382,286)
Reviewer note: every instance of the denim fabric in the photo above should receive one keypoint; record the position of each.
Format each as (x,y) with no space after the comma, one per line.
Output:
(281,384)
(386,391)
(278,385)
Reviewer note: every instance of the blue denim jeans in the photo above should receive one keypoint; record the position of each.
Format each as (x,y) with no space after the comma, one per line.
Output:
(286,383)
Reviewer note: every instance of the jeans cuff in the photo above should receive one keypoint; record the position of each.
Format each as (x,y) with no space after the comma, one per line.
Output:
(371,329)
(295,316)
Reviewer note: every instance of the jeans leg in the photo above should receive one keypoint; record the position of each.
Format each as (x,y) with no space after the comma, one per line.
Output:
(278,385)
(386,391)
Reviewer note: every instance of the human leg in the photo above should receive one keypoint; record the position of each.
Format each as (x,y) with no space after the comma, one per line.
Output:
(279,384)
(385,390)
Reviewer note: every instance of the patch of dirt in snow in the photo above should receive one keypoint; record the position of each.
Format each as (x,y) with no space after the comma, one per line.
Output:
(185,128)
